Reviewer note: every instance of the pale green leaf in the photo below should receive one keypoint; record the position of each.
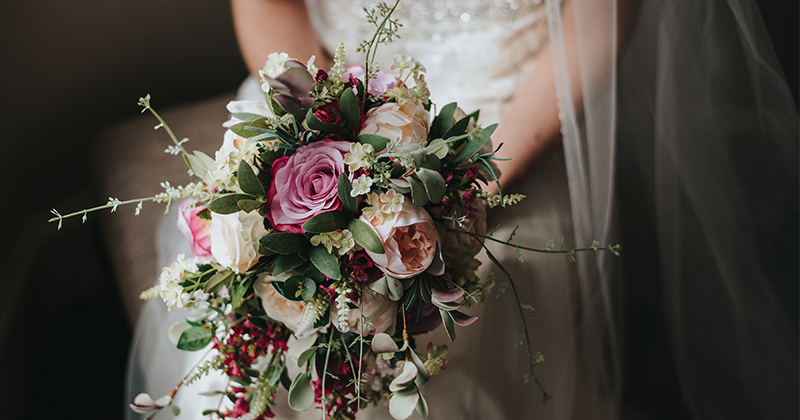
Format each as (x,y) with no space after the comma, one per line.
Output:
(228,204)
(195,338)
(301,394)
(325,262)
(434,184)
(365,236)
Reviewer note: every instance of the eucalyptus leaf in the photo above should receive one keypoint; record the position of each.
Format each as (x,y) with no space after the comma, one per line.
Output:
(175,409)
(306,356)
(449,325)
(473,145)
(228,204)
(301,394)
(419,196)
(200,164)
(422,406)
(326,262)
(443,121)
(406,377)
(365,236)
(400,185)
(195,338)
(350,109)
(394,288)
(246,116)
(248,180)
(462,319)
(378,143)
(434,184)
(328,221)
(284,242)
(403,403)
(284,263)
(422,371)
(344,186)
(210,411)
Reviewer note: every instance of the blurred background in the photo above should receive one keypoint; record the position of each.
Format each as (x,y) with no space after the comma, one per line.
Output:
(71,73)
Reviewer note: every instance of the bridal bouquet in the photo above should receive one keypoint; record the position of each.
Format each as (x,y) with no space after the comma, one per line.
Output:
(337,221)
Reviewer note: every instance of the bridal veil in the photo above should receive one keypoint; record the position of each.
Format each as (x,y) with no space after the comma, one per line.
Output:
(681,140)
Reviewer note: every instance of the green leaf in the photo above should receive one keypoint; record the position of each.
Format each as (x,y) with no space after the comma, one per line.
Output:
(195,338)
(219,279)
(301,394)
(449,325)
(400,185)
(200,164)
(228,204)
(365,236)
(175,409)
(299,288)
(280,366)
(306,356)
(326,222)
(378,142)
(443,121)
(350,109)
(285,243)
(473,145)
(419,196)
(238,292)
(344,186)
(434,184)
(246,116)
(248,180)
(422,406)
(286,381)
(248,129)
(284,263)
(326,262)
(249,205)
(211,411)
(403,402)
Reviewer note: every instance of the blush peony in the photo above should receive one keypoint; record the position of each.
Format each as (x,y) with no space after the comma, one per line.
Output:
(409,240)
(408,123)
(304,184)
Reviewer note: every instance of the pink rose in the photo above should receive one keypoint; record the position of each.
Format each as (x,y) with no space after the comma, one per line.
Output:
(409,241)
(196,229)
(377,86)
(408,122)
(304,184)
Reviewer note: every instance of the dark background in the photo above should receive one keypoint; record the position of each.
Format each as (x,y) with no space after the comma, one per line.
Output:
(67,70)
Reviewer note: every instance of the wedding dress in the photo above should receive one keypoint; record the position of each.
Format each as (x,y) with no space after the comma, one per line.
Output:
(477,53)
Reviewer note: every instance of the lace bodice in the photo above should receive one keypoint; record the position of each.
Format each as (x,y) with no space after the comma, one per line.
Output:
(475,51)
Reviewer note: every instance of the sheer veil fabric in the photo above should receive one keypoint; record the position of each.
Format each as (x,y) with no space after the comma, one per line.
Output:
(681,142)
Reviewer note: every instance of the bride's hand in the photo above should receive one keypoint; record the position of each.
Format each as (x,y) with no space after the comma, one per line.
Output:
(267,26)
(530,128)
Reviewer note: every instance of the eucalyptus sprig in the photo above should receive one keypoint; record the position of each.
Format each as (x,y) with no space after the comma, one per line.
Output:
(385,33)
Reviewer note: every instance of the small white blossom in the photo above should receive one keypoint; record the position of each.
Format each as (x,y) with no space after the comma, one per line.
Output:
(360,156)
(361,185)
(312,312)
(169,283)
(342,307)
(339,239)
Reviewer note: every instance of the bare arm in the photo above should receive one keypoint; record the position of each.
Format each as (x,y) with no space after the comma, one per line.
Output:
(267,26)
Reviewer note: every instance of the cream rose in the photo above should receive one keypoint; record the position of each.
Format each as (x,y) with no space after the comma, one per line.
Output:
(234,239)
(408,122)
(409,240)
(279,308)
(379,312)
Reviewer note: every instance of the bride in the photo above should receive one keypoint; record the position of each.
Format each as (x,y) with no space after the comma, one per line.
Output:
(494,55)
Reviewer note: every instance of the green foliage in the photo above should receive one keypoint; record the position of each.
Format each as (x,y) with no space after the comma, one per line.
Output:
(473,145)
(365,236)
(301,394)
(195,338)
(443,122)
(344,187)
(350,109)
(434,184)
(327,222)
(378,142)
(284,263)
(325,262)
(248,180)
(228,204)
(285,243)
(419,196)
(219,279)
